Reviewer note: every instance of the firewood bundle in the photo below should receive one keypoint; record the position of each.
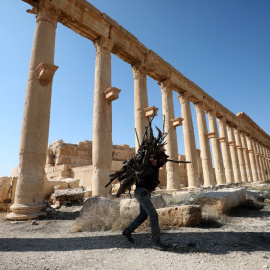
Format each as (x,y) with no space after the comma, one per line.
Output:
(133,167)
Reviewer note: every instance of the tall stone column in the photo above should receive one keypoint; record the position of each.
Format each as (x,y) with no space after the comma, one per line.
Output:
(240,155)
(246,157)
(266,151)
(234,156)
(257,158)
(207,167)
(225,150)
(36,118)
(173,177)
(189,141)
(219,167)
(263,162)
(140,100)
(268,162)
(102,141)
(252,159)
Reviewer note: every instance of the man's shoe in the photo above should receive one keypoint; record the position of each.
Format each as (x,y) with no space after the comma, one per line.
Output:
(159,246)
(127,234)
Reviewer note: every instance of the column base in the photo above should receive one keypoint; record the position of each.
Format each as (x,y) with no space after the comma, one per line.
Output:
(25,212)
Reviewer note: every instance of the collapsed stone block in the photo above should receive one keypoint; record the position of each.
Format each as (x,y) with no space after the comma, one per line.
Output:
(221,201)
(68,196)
(129,208)
(180,216)
(5,186)
(49,186)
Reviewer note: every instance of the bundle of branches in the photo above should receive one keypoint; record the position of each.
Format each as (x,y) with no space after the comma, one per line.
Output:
(134,166)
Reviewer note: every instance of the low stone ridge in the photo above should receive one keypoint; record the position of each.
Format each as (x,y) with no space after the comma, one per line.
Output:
(68,196)
(180,216)
(223,200)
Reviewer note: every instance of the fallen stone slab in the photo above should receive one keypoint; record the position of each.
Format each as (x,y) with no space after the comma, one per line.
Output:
(71,196)
(223,200)
(5,186)
(129,208)
(180,216)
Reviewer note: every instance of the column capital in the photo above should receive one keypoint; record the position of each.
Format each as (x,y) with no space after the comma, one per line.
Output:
(199,106)
(211,114)
(165,85)
(184,97)
(47,12)
(139,70)
(103,45)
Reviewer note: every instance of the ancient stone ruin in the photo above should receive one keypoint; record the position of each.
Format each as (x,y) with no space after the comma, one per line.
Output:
(240,148)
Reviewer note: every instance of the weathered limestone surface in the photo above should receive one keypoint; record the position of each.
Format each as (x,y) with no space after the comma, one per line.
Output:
(222,201)
(206,160)
(189,140)
(179,216)
(129,208)
(68,196)
(173,179)
(35,127)
(109,37)
(5,186)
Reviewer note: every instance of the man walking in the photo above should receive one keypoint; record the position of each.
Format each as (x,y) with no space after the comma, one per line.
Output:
(146,183)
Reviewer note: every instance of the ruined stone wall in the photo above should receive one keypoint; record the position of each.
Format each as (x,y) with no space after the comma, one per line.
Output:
(63,157)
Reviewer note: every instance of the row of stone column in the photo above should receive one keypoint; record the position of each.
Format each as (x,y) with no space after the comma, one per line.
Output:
(239,161)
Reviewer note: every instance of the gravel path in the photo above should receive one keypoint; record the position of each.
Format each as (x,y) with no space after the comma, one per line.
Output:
(241,241)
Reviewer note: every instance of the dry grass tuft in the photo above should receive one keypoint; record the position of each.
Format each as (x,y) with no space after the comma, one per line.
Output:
(100,217)
(210,215)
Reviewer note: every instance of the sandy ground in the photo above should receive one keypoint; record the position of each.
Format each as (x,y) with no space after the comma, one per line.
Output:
(239,241)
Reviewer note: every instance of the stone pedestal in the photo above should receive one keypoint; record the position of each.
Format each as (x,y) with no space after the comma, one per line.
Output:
(189,141)
(207,167)
(102,118)
(173,177)
(140,101)
(225,150)
(217,156)
(29,195)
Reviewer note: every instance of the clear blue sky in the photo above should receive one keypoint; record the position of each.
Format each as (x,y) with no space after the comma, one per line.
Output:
(221,45)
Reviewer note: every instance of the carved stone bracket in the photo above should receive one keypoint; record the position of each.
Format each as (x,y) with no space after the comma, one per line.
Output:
(222,139)
(250,151)
(46,73)
(232,143)
(211,135)
(150,111)
(238,147)
(112,93)
(176,122)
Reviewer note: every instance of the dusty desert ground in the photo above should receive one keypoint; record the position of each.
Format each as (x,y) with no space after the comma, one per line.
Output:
(238,241)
